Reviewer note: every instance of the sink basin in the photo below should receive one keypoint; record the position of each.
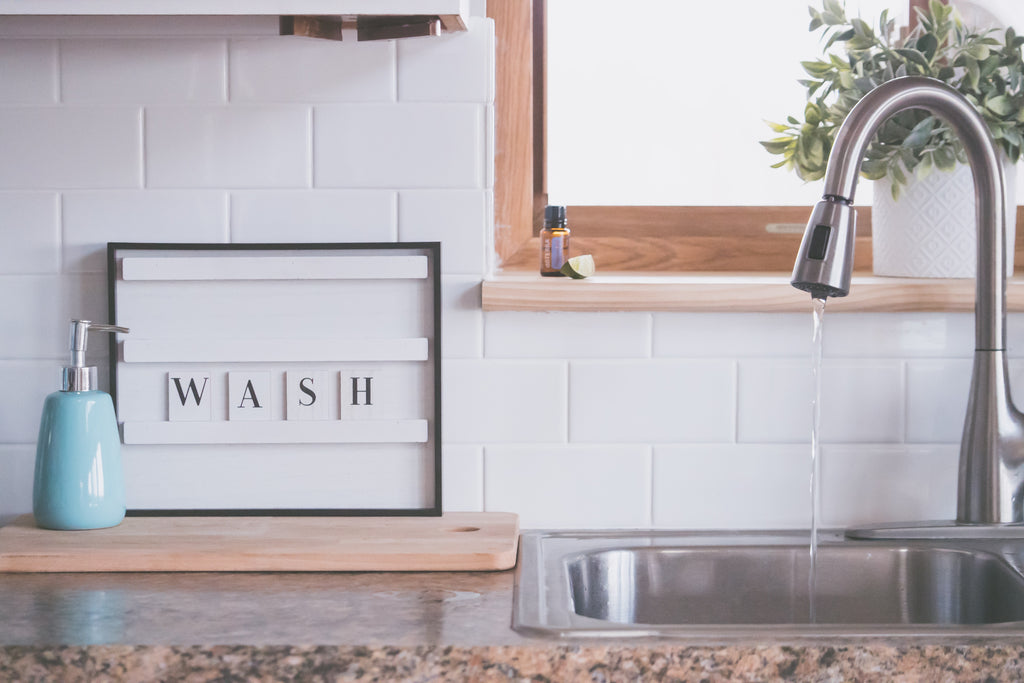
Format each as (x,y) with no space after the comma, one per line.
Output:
(660,583)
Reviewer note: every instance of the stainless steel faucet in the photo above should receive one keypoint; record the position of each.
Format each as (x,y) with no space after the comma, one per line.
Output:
(991,477)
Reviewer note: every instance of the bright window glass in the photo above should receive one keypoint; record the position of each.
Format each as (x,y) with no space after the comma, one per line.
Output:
(664,104)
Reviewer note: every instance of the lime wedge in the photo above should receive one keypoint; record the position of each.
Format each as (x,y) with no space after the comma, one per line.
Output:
(579,267)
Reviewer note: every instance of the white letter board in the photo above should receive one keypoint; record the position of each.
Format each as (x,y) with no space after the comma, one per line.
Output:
(276,379)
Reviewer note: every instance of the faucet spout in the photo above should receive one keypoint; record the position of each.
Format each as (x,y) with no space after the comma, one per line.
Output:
(991,474)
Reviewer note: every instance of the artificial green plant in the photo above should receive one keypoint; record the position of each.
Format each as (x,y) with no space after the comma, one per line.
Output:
(984,66)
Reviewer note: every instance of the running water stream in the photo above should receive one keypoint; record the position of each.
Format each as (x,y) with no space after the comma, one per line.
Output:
(816,347)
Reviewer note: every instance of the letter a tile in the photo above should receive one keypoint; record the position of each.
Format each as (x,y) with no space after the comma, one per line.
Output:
(248,395)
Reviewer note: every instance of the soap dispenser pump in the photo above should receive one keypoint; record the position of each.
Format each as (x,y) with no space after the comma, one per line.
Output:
(79,480)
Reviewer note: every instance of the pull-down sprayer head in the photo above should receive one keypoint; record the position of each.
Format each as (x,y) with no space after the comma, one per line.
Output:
(825,260)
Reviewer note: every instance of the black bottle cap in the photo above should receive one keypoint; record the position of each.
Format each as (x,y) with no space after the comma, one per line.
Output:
(554,215)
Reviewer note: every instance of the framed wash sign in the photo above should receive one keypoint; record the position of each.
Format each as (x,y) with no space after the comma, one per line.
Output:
(278,378)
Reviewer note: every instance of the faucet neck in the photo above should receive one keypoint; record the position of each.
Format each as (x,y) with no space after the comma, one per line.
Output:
(916,92)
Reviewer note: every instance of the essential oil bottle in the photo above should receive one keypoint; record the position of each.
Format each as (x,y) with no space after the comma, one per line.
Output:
(554,242)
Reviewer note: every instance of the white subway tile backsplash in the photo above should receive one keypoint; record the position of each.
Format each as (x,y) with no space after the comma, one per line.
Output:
(91,219)
(462,321)
(774,401)
(464,62)
(880,484)
(284,69)
(898,335)
(313,216)
(32,316)
(30,231)
(731,486)
(458,218)
(70,147)
(228,146)
(17,468)
(861,401)
(576,487)
(407,146)
(1014,335)
(652,401)
(118,26)
(462,485)
(687,335)
(567,335)
(30,71)
(21,408)
(84,297)
(143,70)
(937,392)
(488,402)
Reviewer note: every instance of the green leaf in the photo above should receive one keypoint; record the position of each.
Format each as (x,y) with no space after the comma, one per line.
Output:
(817,69)
(920,133)
(913,57)
(812,114)
(924,169)
(778,145)
(973,72)
(839,38)
(944,158)
(862,28)
(873,169)
(834,7)
(927,44)
(1000,105)
(978,51)
(833,19)
(896,173)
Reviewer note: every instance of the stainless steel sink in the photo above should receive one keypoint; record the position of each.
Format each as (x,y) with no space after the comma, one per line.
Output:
(663,583)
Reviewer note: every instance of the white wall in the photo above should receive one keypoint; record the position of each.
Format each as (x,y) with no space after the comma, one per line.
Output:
(218,131)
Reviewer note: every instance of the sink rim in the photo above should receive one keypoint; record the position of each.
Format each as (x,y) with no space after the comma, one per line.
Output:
(542,604)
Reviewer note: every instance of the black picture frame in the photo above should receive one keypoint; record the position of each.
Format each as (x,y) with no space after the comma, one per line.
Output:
(433,250)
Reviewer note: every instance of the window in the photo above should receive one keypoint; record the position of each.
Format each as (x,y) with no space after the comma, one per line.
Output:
(715,235)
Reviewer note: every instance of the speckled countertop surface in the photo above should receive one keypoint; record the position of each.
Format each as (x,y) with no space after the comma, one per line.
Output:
(398,626)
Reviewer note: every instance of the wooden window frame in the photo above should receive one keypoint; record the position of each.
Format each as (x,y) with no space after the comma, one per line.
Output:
(649,239)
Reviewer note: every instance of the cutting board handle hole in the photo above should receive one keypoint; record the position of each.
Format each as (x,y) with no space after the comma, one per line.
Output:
(462,529)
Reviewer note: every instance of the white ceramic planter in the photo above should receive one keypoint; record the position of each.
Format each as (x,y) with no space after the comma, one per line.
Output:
(930,231)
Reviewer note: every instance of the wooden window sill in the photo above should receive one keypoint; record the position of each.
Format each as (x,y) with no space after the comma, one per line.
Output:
(727,292)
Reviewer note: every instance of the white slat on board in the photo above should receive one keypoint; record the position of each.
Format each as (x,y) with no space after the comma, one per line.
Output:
(276,432)
(274,268)
(254,476)
(273,350)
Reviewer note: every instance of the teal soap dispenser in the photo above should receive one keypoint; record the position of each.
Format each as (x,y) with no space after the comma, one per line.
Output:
(79,480)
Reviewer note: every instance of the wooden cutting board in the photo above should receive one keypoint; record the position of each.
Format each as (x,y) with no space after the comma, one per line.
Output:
(457,541)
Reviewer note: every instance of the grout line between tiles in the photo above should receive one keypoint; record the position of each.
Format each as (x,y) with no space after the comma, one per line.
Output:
(311,180)
(61,238)
(483,478)
(226,72)
(58,84)
(567,403)
(650,485)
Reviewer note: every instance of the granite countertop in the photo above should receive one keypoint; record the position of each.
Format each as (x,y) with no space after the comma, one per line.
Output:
(399,626)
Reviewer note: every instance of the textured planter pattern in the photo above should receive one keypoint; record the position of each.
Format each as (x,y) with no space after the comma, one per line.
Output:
(930,231)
